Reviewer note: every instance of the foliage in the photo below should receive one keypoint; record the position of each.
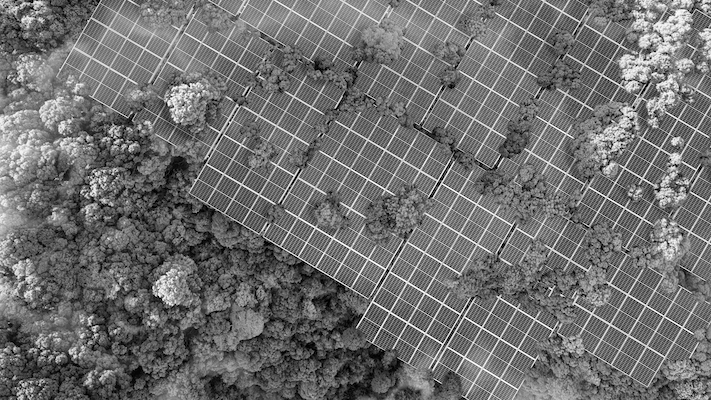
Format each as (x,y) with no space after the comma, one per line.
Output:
(449,52)
(140,97)
(273,78)
(291,57)
(450,388)
(474,23)
(660,30)
(444,138)
(275,212)
(519,128)
(560,75)
(395,3)
(302,157)
(602,11)
(214,17)
(668,247)
(397,214)
(263,154)
(565,367)
(330,214)
(194,99)
(635,192)
(324,69)
(562,42)
(177,284)
(32,26)
(162,14)
(673,188)
(449,77)
(382,43)
(527,198)
(481,280)
(600,245)
(464,159)
(386,107)
(601,139)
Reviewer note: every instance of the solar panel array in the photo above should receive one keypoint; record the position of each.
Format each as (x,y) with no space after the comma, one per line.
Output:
(362,157)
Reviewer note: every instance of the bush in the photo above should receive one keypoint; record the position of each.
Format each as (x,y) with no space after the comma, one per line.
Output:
(302,157)
(601,139)
(263,154)
(602,11)
(382,43)
(464,159)
(449,77)
(449,52)
(140,97)
(635,192)
(445,138)
(323,69)
(527,199)
(330,214)
(562,42)
(164,13)
(194,99)
(275,212)
(668,247)
(273,78)
(673,189)
(474,22)
(519,129)
(215,18)
(397,214)
(560,75)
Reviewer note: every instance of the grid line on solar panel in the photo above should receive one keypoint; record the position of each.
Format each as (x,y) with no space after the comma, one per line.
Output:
(413,294)
(117,50)
(492,361)
(324,27)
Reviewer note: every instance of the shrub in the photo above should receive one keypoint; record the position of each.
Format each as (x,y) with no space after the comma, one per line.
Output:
(635,192)
(601,139)
(330,214)
(140,97)
(263,154)
(445,138)
(449,52)
(386,108)
(214,17)
(661,34)
(474,22)
(323,69)
(164,13)
(519,128)
(275,212)
(481,280)
(273,78)
(465,159)
(668,247)
(449,77)
(560,75)
(673,189)
(194,99)
(601,242)
(302,157)
(527,199)
(602,11)
(397,214)
(382,43)
(562,42)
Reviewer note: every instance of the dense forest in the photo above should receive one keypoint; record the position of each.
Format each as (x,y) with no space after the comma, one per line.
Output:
(115,283)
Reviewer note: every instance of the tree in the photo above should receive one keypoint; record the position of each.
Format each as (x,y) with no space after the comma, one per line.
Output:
(382,43)
(519,128)
(668,247)
(601,139)
(673,188)
(600,245)
(562,42)
(164,13)
(449,52)
(560,75)
(481,280)
(397,214)
(330,214)
(194,99)
(602,11)
(475,22)
(661,30)
(449,77)
(531,196)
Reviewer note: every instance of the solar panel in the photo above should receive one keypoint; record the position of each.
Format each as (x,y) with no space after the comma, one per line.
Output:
(361,160)
(325,27)
(413,311)
(226,182)
(116,50)
(491,348)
